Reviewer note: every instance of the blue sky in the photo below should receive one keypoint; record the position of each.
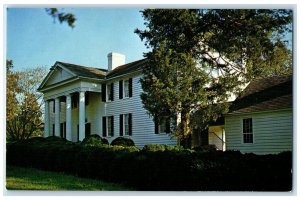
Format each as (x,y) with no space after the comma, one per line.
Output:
(34,39)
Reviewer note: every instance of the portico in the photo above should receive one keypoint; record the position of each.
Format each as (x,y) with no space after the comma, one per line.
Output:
(66,99)
(63,124)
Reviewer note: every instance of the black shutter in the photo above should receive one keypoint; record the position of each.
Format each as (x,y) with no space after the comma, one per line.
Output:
(156,125)
(130,124)
(65,129)
(103,90)
(61,130)
(112,126)
(121,89)
(104,126)
(112,91)
(121,125)
(53,129)
(130,87)
(168,125)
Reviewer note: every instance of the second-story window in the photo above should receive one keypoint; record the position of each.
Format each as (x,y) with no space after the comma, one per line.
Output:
(110,92)
(126,88)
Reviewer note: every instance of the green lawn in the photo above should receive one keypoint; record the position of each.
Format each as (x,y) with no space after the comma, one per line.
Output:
(32,179)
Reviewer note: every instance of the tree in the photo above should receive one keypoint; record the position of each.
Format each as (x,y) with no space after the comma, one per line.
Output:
(61,16)
(23,103)
(199,58)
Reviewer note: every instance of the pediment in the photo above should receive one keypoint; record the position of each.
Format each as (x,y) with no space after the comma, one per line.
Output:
(56,75)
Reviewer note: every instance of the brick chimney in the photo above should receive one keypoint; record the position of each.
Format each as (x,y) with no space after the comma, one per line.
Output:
(115,60)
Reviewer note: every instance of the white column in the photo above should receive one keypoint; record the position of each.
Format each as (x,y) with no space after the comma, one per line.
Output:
(57,120)
(46,119)
(68,118)
(81,115)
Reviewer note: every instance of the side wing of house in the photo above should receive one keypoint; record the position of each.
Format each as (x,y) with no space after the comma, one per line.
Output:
(260,132)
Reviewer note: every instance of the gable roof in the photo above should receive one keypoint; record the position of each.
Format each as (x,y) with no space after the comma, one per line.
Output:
(270,93)
(79,71)
(127,68)
(82,71)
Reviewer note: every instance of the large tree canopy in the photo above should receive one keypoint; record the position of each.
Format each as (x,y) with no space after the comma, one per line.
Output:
(23,103)
(199,58)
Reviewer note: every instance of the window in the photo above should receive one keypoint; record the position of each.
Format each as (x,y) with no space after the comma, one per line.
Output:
(63,130)
(247,131)
(110,92)
(126,88)
(108,126)
(126,124)
(163,126)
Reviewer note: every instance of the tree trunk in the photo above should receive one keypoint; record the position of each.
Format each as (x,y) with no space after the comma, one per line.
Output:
(185,130)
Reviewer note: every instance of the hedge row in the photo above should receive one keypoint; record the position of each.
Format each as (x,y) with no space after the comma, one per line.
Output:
(157,167)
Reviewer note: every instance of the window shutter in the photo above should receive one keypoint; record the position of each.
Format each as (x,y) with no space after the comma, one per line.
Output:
(112,91)
(112,126)
(103,90)
(156,126)
(61,130)
(130,124)
(121,89)
(104,126)
(53,129)
(130,87)
(168,128)
(121,125)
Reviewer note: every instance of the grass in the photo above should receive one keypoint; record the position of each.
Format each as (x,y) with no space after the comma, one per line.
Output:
(18,178)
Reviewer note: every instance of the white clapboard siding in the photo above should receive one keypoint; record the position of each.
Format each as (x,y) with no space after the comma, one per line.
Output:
(142,124)
(272,132)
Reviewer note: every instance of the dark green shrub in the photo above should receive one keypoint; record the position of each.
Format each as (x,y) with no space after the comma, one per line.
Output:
(124,148)
(206,148)
(161,147)
(94,140)
(36,139)
(122,141)
(154,147)
(172,169)
(55,139)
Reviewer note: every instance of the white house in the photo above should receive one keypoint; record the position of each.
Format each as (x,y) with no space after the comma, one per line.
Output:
(80,101)
(261,119)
